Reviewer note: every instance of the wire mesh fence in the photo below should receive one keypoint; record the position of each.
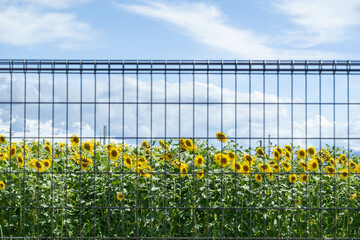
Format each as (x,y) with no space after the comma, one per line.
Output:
(145,149)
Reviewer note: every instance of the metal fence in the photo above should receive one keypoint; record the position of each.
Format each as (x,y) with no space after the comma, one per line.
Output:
(163,149)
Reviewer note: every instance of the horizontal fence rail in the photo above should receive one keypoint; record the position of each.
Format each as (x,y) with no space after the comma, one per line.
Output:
(179,149)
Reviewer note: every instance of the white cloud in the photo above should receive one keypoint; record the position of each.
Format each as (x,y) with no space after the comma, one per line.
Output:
(32,23)
(206,24)
(319,21)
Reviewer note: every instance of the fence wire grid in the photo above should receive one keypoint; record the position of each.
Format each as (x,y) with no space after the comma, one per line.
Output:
(179,149)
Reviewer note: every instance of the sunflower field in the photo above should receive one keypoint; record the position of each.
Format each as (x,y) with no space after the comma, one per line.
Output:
(176,188)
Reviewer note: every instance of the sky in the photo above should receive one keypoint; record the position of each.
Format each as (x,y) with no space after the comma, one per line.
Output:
(209,29)
(164,29)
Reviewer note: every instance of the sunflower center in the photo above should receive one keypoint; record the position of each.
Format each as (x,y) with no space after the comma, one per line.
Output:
(246,168)
(114,153)
(237,166)
(199,160)
(248,158)
(87,146)
(38,165)
(2,139)
(128,161)
(314,165)
(331,170)
(293,178)
(259,177)
(224,160)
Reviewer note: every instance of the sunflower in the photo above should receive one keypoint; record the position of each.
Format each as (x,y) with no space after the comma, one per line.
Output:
(344,174)
(232,156)
(276,155)
(47,163)
(222,159)
(189,144)
(75,140)
(163,144)
(143,173)
(342,157)
(287,155)
(248,159)
(2,185)
(246,169)
(303,165)
(352,166)
(145,144)
(128,161)
(199,160)
(330,170)
(331,161)
(264,167)
(113,153)
(11,151)
(3,156)
(279,150)
(260,151)
(200,174)
(258,177)
(272,162)
(313,165)
(289,149)
(270,176)
(220,136)
(292,178)
(275,168)
(236,166)
(320,160)
(182,144)
(37,165)
(176,163)
(304,177)
(311,151)
(84,165)
(298,201)
(142,160)
(83,159)
(353,195)
(20,160)
(48,148)
(88,146)
(183,170)
(120,196)
(286,166)
(169,157)
(301,153)
(2,139)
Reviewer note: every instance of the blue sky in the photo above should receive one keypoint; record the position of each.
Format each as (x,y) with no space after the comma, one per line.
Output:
(260,29)
(209,29)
